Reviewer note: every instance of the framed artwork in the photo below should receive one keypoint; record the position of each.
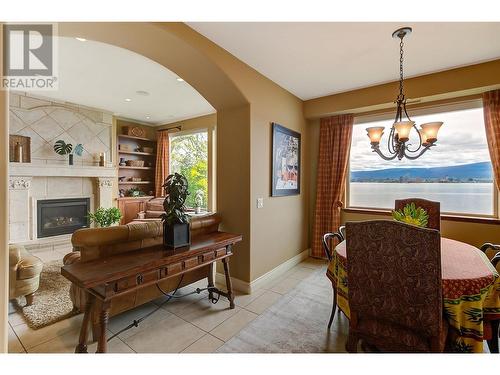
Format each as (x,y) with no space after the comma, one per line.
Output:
(285,178)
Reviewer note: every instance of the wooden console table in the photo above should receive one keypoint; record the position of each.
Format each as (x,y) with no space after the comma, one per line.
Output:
(116,275)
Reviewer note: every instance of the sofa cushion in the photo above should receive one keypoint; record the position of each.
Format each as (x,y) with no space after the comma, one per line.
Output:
(30,266)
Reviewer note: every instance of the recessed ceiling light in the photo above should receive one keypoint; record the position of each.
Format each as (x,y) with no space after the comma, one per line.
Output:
(179,79)
(128,99)
(81,39)
(148,117)
(142,93)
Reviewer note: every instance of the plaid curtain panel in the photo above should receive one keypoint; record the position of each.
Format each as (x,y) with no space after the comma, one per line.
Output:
(162,150)
(334,145)
(491,107)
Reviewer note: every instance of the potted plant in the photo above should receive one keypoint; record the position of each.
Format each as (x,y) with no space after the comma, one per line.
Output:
(63,148)
(105,217)
(176,231)
(410,214)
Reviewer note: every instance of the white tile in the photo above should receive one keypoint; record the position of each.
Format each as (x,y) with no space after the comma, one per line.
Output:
(81,133)
(284,285)
(244,299)
(233,325)
(95,127)
(16,318)
(64,187)
(36,140)
(29,102)
(67,342)
(206,315)
(14,100)
(14,343)
(29,116)
(31,337)
(171,335)
(65,117)
(47,128)
(96,116)
(262,303)
(207,344)
(15,123)
(107,118)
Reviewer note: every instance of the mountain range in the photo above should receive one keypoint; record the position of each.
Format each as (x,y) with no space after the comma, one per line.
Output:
(464,172)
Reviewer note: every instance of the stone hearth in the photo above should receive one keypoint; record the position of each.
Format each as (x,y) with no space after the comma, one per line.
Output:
(31,182)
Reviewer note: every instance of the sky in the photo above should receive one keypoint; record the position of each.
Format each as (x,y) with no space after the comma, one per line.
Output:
(461,140)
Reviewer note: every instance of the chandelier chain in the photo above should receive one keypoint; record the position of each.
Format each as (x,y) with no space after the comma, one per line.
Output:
(401,77)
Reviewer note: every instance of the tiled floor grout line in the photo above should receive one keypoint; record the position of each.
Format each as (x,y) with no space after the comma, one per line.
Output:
(18,339)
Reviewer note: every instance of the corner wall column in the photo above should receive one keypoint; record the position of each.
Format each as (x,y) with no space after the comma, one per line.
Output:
(104,192)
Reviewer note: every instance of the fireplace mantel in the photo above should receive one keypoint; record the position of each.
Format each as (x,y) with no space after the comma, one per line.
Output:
(52,170)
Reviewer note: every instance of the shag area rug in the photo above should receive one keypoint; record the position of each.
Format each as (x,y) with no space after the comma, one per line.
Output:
(52,302)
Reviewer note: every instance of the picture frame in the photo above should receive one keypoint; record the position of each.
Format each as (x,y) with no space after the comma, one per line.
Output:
(285,165)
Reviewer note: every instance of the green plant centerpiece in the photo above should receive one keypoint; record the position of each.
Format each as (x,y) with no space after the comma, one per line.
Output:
(410,214)
(176,231)
(63,148)
(105,217)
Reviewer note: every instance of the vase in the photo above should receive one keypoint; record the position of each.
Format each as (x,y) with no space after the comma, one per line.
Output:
(70,159)
(176,235)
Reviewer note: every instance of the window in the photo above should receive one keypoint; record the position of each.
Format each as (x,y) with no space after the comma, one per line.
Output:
(189,157)
(456,172)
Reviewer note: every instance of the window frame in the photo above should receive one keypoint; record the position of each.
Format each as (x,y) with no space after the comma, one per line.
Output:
(425,109)
(210,159)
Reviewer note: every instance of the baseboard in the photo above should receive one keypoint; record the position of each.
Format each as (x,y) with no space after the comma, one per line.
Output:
(258,283)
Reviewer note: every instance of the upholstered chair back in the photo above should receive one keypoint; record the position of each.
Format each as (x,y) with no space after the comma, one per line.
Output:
(394,272)
(433,210)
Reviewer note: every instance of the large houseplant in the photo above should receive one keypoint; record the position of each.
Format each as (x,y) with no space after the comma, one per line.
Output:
(105,217)
(176,231)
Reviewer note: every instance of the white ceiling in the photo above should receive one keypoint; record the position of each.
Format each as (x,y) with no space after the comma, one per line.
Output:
(102,76)
(316,59)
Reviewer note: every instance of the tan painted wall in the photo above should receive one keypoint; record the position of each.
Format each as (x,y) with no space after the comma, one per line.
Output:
(459,82)
(279,229)
(4,213)
(452,83)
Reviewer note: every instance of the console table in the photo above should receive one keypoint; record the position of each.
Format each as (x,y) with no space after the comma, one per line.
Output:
(110,277)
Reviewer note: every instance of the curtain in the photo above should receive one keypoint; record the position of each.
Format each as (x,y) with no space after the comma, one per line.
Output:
(491,107)
(162,161)
(334,145)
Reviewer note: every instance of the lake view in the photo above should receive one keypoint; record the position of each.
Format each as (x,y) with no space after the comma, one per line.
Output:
(466,198)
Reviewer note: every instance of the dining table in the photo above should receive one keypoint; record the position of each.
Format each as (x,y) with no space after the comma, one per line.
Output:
(471,292)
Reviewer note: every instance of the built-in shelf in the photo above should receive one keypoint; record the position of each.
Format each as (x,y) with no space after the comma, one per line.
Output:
(128,167)
(137,138)
(135,182)
(136,153)
(132,198)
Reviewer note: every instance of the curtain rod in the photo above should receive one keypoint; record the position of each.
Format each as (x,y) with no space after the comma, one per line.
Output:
(172,128)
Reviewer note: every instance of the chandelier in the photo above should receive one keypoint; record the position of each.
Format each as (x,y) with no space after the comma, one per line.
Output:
(399,135)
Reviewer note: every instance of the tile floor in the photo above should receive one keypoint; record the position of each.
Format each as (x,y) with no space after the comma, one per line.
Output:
(191,324)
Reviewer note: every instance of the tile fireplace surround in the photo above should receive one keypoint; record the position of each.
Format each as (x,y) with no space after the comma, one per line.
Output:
(31,182)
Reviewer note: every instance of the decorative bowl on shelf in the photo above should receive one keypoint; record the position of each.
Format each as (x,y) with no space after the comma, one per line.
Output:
(135,163)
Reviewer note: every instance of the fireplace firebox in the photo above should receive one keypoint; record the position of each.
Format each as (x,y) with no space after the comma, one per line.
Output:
(61,216)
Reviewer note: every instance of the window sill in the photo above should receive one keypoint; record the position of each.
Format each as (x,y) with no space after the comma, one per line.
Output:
(445,217)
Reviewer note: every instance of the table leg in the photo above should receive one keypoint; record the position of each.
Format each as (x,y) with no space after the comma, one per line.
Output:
(493,342)
(102,344)
(229,284)
(82,342)
(211,281)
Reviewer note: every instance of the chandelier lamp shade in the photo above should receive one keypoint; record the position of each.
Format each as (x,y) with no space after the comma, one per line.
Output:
(398,145)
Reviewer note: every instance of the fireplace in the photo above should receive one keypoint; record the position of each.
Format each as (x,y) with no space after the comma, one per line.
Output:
(61,216)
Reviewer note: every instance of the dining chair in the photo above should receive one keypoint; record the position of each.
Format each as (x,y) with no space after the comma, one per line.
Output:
(327,238)
(433,210)
(493,253)
(395,292)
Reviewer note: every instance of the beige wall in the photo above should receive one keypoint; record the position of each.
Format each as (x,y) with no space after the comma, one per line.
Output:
(445,85)
(4,213)
(279,229)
